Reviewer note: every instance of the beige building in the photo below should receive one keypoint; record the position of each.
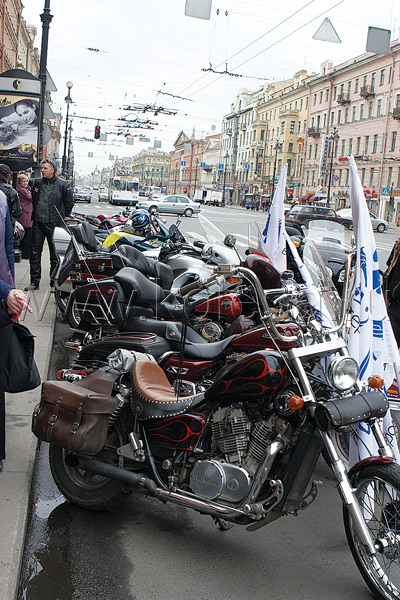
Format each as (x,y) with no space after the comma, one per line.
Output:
(151,167)
(27,55)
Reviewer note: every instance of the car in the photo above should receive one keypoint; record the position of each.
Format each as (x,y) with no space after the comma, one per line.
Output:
(176,204)
(301,214)
(82,195)
(380,225)
(102,195)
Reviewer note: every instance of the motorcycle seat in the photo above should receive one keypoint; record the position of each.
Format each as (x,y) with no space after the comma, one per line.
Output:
(128,256)
(138,288)
(153,396)
(208,350)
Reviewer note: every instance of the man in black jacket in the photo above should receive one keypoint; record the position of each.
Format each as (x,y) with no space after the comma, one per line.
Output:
(14,204)
(52,200)
(393,290)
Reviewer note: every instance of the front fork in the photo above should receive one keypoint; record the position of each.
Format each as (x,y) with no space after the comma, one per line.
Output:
(347,492)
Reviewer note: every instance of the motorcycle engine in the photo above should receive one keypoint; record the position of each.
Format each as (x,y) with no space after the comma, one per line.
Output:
(209,330)
(242,444)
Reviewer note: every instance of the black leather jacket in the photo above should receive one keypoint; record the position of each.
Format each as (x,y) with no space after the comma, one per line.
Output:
(61,199)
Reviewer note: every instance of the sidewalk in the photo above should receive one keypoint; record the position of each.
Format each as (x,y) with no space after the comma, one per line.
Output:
(15,480)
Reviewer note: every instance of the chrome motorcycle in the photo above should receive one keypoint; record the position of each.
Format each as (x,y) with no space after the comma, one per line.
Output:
(244,451)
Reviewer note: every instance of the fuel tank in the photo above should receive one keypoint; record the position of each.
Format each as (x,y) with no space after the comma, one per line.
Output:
(260,374)
(228,306)
(258,338)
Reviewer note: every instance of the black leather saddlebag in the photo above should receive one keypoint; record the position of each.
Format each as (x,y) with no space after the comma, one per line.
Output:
(348,411)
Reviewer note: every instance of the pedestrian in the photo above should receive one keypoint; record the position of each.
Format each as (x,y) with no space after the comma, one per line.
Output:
(25,219)
(392,286)
(52,200)
(12,302)
(11,194)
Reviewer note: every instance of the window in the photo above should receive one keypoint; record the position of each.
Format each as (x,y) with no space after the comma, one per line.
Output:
(339,116)
(342,89)
(370,109)
(316,151)
(371,177)
(301,104)
(262,135)
(389,179)
(358,145)
(349,87)
(362,176)
(347,177)
(343,152)
(290,147)
(350,146)
(292,126)
(282,127)
(373,78)
(321,96)
(357,85)
(375,146)
(326,94)
(361,112)
(382,79)
(354,113)
(334,93)
(365,81)
(379,108)
(366,144)
(324,121)
(332,117)
(346,115)
(393,144)
(309,151)
(315,99)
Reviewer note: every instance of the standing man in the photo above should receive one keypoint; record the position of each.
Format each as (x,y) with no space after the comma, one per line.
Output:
(52,200)
(14,205)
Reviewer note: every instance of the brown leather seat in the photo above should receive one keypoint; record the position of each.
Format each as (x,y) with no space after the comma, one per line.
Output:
(153,396)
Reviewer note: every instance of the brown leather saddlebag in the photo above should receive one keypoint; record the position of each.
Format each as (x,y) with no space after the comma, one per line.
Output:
(74,417)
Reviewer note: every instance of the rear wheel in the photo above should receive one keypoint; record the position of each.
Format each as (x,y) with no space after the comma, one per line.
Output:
(188,212)
(61,299)
(88,490)
(73,315)
(378,491)
(381,228)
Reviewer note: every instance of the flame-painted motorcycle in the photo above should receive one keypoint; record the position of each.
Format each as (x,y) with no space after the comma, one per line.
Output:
(245,450)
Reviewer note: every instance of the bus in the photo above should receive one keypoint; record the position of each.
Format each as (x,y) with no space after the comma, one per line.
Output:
(123,190)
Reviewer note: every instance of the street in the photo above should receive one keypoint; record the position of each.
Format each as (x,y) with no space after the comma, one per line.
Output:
(144,550)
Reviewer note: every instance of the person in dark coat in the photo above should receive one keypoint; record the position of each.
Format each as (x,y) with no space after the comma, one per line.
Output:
(52,200)
(393,290)
(14,205)
(12,302)
(25,198)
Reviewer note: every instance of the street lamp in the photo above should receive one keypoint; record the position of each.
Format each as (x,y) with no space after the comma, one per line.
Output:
(225,169)
(277,149)
(68,101)
(333,138)
(68,167)
(176,175)
(195,177)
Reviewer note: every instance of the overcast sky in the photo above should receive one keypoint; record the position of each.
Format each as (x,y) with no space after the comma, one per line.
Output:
(144,47)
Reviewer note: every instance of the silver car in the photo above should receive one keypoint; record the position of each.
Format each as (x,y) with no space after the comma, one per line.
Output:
(176,204)
(380,225)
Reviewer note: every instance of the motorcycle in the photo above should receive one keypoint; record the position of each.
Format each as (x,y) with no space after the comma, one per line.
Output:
(243,451)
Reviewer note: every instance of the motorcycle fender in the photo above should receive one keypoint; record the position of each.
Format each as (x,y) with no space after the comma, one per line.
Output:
(381,460)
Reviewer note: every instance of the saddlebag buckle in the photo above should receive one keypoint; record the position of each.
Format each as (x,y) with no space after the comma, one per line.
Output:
(348,411)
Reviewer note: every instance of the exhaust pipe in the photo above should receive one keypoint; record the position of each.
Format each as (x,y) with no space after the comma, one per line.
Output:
(137,480)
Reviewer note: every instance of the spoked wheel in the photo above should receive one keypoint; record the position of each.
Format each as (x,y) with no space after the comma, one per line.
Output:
(88,490)
(73,315)
(378,492)
(61,300)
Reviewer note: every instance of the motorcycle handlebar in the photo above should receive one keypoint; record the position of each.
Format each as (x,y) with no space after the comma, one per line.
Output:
(200,283)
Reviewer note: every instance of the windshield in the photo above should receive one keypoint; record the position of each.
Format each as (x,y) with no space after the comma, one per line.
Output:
(132,186)
(329,232)
(322,280)
(212,234)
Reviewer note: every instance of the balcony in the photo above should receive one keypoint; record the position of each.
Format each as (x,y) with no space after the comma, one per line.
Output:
(289,112)
(207,168)
(314,132)
(396,113)
(343,98)
(367,90)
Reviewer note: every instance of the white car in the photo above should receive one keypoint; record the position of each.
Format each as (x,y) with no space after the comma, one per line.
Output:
(380,225)
(176,204)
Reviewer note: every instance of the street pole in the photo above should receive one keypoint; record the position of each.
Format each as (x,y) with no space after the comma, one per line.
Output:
(46,19)
(68,101)
(195,177)
(333,137)
(277,147)
(225,168)
(176,175)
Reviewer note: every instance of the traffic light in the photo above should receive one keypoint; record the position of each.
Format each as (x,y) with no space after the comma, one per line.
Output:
(97,132)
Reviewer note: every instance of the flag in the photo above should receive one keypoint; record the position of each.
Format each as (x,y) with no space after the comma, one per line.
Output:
(370,336)
(272,239)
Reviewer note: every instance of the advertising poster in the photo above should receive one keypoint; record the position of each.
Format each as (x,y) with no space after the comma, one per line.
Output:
(19,120)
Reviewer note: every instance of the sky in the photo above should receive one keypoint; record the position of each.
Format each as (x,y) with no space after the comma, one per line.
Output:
(132,52)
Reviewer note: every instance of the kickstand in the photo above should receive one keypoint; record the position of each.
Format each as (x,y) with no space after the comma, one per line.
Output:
(223,525)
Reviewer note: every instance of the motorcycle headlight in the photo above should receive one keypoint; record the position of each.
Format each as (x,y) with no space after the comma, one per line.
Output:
(343,373)
(341,276)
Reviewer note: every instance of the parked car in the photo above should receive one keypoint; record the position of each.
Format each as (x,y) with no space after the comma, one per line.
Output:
(300,215)
(82,195)
(175,204)
(380,225)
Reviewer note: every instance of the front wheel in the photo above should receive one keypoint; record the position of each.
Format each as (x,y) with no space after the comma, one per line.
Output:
(88,490)
(188,212)
(377,489)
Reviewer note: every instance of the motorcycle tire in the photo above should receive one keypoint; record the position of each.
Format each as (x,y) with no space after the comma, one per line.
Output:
(377,487)
(87,490)
(73,316)
(61,299)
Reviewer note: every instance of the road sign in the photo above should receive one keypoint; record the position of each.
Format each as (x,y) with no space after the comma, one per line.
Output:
(247,166)
(385,191)
(183,163)
(220,167)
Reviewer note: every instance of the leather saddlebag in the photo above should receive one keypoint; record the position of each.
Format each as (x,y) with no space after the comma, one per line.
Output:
(72,416)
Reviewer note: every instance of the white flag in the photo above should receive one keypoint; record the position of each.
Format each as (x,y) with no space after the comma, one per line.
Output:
(370,339)
(272,239)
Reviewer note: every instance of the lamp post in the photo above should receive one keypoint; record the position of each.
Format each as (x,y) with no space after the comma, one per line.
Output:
(68,101)
(195,177)
(277,149)
(333,138)
(69,153)
(176,175)
(225,165)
